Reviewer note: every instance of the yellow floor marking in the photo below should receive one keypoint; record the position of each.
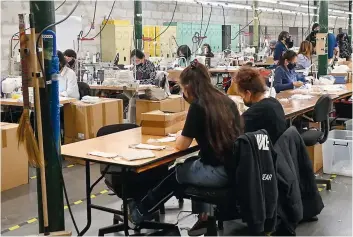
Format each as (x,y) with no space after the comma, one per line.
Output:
(78,202)
(104,191)
(66,207)
(32,220)
(93,196)
(14,227)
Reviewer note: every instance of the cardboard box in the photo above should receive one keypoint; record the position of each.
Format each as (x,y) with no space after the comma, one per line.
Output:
(315,154)
(82,120)
(347,75)
(161,123)
(174,103)
(14,159)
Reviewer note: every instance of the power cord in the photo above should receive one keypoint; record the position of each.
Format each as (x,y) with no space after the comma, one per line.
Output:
(60,5)
(240,30)
(94,18)
(111,10)
(170,22)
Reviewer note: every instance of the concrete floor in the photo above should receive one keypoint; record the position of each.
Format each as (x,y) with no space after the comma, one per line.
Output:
(20,205)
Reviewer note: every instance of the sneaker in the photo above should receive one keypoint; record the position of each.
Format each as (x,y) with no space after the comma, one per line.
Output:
(135,216)
(200,228)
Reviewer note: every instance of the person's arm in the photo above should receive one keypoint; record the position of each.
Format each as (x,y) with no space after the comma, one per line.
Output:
(277,53)
(153,73)
(191,128)
(278,81)
(232,88)
(71,85)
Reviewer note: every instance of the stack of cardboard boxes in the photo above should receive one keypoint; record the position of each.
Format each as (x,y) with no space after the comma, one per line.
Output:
(174,104)
(82,120)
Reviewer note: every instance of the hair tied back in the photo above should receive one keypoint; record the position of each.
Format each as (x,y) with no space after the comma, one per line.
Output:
(194,63)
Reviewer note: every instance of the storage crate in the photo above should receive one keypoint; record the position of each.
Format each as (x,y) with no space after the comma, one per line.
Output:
(337,153)
(349,125)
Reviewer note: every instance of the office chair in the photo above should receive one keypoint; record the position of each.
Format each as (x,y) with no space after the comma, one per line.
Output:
(111,176)
(83,89)
(312,137)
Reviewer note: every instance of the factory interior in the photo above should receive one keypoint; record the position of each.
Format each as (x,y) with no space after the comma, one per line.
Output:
(176,118)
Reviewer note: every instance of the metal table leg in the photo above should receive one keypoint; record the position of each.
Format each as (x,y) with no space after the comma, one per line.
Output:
(88,198)
(131,114)
(123,191)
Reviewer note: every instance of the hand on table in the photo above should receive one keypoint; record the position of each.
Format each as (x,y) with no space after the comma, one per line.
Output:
(297,84)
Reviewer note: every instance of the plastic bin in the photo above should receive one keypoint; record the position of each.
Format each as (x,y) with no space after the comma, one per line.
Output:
(337,153)
(349,125)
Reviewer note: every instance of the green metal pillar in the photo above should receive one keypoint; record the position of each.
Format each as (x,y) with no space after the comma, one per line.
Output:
(256,26)
(138,24)
(323,21)
(44,15)
(350,21)
(315,11)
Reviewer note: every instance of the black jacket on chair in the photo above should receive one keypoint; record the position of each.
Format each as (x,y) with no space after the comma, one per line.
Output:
(252,174)
(299,198)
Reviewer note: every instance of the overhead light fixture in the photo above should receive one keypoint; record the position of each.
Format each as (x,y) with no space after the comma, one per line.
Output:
(310,7)
(338,11)
(239,6)
(289,4)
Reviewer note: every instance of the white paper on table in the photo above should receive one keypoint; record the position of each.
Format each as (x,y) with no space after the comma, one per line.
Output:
(137,155)
(148,147)
(301,97)
(167,139)
(102,154)
(172,135)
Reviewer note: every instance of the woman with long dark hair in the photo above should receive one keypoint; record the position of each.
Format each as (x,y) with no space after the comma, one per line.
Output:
(285,76)
(213,120)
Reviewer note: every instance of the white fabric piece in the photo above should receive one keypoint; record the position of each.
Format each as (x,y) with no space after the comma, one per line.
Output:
(301,97)
(90,99)
(148,147)
(102,154)
(137,155)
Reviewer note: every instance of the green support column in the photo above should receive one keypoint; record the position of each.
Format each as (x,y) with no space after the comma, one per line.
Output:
(256,26)
(44,15)
(138,23)
(315,11)
(350,21)
(323,21)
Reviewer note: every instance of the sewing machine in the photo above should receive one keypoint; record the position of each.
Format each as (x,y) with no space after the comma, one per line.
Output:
(10,85)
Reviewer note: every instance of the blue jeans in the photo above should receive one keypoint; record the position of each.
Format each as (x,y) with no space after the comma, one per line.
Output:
(198,174)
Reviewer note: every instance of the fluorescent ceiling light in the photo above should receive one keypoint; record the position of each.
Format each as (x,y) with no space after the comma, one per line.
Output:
(310,7)
(289,4)
(238,6)
(339,11)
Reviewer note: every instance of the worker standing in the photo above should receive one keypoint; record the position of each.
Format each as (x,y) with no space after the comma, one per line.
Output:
(271,48)
(283,44)
(312,36)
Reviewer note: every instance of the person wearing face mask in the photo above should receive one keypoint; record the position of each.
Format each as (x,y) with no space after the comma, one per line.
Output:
(283,44)
(263,113)
(312,36)
(206,51)
(344,47)
(184,51)
(145,70)
(271,48)
(68,86)
(215,127)
(285,76)
(70,56)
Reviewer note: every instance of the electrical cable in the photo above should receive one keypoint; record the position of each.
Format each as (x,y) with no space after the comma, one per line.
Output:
(111,10)
(170,22)
(60,5)
(208,23)
(238,33)
(94,18)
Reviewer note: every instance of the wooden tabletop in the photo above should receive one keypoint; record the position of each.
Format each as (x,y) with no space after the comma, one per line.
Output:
(15,102)
(293,108)
(119,143)
(120,88)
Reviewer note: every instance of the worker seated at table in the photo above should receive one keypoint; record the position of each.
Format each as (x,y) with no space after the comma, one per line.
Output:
(271,48)
(184,55)
(206,51)
(68,86)
(70,56)
(285,76)
(304,55)
(215,127)
(284,43)
(263,113)
(144,69)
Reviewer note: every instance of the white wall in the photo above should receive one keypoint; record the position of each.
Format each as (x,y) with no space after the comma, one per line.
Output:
(154,13)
